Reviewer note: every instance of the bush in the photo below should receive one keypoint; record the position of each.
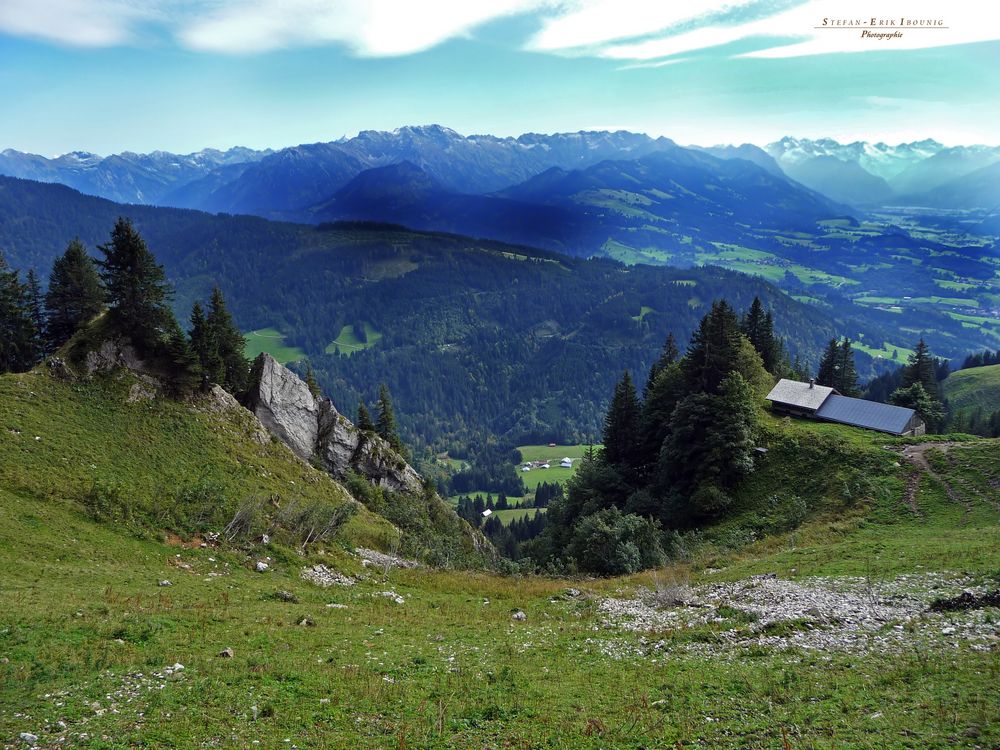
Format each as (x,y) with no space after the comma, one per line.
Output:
(610,543)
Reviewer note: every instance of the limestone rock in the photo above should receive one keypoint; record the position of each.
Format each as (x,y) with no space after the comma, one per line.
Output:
(285,406)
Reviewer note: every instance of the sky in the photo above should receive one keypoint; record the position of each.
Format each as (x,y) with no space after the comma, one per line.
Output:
(180,75)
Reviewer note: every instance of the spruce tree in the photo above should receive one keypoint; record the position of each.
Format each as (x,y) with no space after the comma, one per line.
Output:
(18,336)
(205,347)
(713,349)
(185,371)
(758,326)
(74,295)
(621,426)
(136,289)
(667,357)
(846,374)
(311,381)
(364,421)
(385,424)
(920,368)
(231,344)
(36,311)
(828,363)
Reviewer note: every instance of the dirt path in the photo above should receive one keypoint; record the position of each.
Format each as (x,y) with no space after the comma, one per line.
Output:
(916,454)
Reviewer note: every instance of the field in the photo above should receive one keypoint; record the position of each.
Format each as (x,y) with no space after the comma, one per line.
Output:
(977,387)
(347,341)
(554,473)
(271,340)
(96,654)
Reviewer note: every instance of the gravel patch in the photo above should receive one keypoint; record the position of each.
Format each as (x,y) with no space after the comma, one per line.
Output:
(846,614)
(323,576)
(370,557)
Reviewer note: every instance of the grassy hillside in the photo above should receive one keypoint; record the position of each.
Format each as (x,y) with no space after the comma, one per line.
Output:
(433,659)
(977,387)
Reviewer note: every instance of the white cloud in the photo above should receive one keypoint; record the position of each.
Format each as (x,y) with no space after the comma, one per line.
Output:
(370,28)
(86,23)
(966,21)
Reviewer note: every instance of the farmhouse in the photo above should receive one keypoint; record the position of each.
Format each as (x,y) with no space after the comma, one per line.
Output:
(821,402)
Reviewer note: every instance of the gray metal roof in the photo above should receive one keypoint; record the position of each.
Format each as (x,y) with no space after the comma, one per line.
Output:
(869,414)
(799,394)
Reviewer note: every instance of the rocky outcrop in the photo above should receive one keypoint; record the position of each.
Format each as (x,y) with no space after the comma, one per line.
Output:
(316,431)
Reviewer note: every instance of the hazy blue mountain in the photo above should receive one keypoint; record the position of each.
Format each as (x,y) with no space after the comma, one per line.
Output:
(976,190)
(945,166)
(843,181)
(748,152)
(879,159)
(125,177)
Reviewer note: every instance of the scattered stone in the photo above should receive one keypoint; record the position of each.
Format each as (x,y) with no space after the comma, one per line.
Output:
(286,596)
(4,660)
(28,737)
(371,557)
(572,593)
(325,576)
(391,595)
(164,582)
(227,653)
(336,606)
(305,622)
(261,566)
(519,616)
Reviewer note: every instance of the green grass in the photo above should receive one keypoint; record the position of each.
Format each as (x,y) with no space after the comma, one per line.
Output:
(554,473)
(81,615)
(643,312)
(515,514)
(886,351)
(271,340)
(347,341)
(976,387)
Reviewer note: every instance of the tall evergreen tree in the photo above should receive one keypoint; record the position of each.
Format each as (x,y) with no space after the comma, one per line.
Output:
(311,381)
(231,344)
(36,311)
(667,357)
(714,346)
(18,336)
(621,426)
(364,421)
(827,374)
(185,371)
(846,374)
(74,295)
(385,424)
(136,288)
(205,347)
(920,368)
(654,422)
(758,326)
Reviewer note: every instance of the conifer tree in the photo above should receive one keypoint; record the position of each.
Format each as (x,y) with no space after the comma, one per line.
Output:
(667,357)
(185,370)
(920,369)
(385,424)
(827,374)
(846,375)
(36,311)
(136,289)
(205,347)
(621,425)
(74,295)
(758,326)
(18,337)
(713,350)
(364,421)
(311,381)
(230,342)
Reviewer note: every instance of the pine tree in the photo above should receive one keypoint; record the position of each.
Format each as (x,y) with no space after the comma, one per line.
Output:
(74,295)
(36,311)
(713,350)
(846,375)
(667,357)
(654,422)
(827,374)
(18,337)
(231,344)
(917,398)
(920,368)
(185,370)
(385,424)
(136,289)
(758,326)
(364,421)
(621,426)
(311,381)
(205,347)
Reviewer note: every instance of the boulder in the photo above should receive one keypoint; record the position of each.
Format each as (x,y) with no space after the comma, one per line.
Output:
(284,405)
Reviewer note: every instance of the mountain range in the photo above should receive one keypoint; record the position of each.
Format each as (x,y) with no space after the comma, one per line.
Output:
(291,183)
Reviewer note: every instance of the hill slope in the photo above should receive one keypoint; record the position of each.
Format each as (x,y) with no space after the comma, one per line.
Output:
(93,648)
(974,388)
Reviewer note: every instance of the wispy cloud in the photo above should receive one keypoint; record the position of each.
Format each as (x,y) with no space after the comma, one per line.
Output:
(646,33)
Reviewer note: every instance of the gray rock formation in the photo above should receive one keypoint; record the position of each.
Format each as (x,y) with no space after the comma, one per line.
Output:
(315,430)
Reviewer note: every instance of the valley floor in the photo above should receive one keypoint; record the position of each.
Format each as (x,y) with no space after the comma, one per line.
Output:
(819,638)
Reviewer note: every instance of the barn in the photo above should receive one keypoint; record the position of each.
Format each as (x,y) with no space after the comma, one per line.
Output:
(813,401)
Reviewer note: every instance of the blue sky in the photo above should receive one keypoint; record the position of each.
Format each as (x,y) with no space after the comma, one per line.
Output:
(180,75)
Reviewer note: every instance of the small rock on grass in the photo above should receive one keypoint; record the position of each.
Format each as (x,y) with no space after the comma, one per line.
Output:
(519,616)
(227,653)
